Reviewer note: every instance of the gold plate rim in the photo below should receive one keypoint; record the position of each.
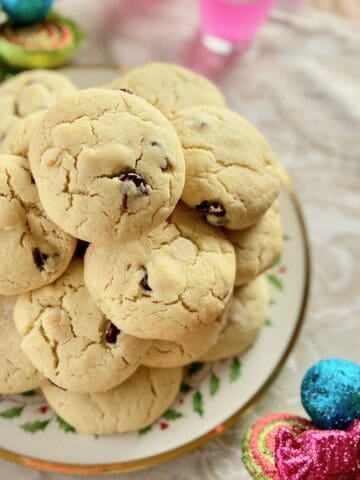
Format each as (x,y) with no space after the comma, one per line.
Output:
(123,467)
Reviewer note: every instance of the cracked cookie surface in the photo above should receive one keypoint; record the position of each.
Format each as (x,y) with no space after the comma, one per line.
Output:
(107,164)
(170,88)
(133,405)
(17,374)
(168,283)
(70,341)
(17,140)
(257,247)
(245,318)
(33,250)
(30,92)
(167,354)
(230,174)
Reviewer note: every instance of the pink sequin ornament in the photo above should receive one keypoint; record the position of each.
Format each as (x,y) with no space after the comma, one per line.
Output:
(259,443)
(318,454)
(354,428)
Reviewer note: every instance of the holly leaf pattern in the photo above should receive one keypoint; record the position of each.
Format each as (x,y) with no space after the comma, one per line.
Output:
(172,414)
(185,388)
(144,430)
(12,412)
(30,393)
(36,426)
(195,367)
(5,71)
(277,261)
(286,238)
(214,384)
(275,280)
(197,403)
(235,369)
(66,427)
(268,322)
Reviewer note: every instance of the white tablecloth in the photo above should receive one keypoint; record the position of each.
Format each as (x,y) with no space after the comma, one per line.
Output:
(300,85)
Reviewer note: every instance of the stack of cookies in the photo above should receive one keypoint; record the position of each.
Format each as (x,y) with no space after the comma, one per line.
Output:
(135,223)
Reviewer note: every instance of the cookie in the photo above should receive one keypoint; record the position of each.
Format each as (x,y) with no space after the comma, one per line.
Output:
(33,250)
(170,88)
(30,92)
(107,163)
(230,174)
(17,374)
(133,405)
(246,316)
(167,284)
(257,247)
(17,140)
(167,354)
(70,341)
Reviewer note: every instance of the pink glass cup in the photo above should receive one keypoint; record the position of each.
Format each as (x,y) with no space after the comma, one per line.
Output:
(232,22)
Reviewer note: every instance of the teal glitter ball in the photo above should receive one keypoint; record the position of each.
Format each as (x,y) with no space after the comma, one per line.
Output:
(25,12)
(330,393)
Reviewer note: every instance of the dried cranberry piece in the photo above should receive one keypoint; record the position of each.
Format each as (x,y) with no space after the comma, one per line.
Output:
(39,258)
(167,165)
(144,281)
(137,180)
(211,208)
(111,333)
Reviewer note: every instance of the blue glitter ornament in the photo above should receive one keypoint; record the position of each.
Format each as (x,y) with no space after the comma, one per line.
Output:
(330,393)
(25,12)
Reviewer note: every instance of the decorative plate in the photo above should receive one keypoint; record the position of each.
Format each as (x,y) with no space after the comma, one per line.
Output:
(213,396)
